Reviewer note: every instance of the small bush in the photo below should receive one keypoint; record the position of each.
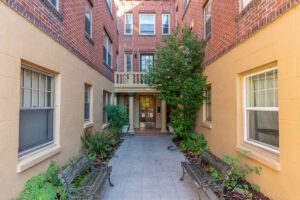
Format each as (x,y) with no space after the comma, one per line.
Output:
(193,142)
(117,118)
(99,145)
(239,171)
(44,186)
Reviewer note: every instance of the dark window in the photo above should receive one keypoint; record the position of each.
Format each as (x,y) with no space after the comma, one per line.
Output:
(146,62)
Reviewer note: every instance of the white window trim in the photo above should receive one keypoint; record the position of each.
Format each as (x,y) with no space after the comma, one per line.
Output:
(126,23)
(162,25)
(52,107)
(109,5)
(242,7)
(140,23)
(91,21)
(263,146)
(125,63)
(57,4)
(204,28)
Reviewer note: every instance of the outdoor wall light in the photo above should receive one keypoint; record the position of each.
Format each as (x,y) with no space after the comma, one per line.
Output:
(135,54)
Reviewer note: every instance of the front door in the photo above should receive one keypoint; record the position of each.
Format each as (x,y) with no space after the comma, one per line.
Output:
(147,112)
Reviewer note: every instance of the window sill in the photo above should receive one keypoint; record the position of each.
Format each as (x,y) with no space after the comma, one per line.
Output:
(141,35)
(207,124)
(29,160)
(263,159)
(105,126)
(89,39)
(88,124)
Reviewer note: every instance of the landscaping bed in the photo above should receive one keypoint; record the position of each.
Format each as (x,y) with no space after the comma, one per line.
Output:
(242,190)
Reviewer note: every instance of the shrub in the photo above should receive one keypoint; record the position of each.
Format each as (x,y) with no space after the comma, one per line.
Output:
(193,142)
(44,186)
(99,145)
(240,171)
(117,118)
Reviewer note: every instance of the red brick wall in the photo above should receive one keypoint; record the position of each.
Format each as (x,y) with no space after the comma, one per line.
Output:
(68,27)
(135,42)
(230,26)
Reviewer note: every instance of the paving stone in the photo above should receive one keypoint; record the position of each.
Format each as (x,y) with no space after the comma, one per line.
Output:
(144,169)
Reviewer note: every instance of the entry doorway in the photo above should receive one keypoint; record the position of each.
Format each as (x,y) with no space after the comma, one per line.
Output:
(147,111)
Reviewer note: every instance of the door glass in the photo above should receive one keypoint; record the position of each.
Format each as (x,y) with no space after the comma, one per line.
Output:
(147,112)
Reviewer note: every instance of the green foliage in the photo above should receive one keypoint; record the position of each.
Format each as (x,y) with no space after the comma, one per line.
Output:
(117,118)
(239,170)
(178,76)
(193,142)
(44,186)
(213,172)
(99,145)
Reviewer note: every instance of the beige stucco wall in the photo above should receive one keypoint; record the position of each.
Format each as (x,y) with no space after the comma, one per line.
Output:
(278,44)
(20,40)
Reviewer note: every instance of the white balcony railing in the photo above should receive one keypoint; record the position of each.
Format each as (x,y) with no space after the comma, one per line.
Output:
(130,79)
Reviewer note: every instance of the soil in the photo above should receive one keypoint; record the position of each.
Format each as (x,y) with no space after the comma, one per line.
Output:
(229,193)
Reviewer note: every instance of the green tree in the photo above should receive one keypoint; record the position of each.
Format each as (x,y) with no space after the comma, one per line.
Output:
(178,76)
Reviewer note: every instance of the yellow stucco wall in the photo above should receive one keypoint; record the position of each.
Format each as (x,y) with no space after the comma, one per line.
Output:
(278,44)
(20,40)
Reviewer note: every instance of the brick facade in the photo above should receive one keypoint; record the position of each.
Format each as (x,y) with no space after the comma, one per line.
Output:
(229,25)
(135,42)
(67,26)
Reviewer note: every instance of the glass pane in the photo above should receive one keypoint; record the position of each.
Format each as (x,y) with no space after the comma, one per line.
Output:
(35,98)
(36,128)
(147,28)
(49,84)
(86,111)
(27,79)
(21,97)
(262,90)
(28,98)
(42,99)
(263,127)
(49,99)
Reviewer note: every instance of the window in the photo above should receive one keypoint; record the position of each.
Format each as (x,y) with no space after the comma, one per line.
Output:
(88,21)
(106,101)
(146,62)
(109,4)
(107,50)
(165,24)
(185,5)
(36,110)
(128,24)
(54,3)
(147,24)
(244,3)
(208,104)
(128,62)
(87,104)
(261,109)
(207,20)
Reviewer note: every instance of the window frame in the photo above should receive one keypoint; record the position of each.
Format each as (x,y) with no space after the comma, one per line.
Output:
(89,87)
(52,107)
(90,12)
(108,101)
(242,7)
(162,24)
(246,138)
(57,4)
(145,54)
(185,5)
(107,42)
(207,5)
(109,5)
(125,61)
(125,20)
(154,22)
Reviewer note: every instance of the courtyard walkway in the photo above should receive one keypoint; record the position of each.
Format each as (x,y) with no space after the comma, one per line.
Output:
(144,169)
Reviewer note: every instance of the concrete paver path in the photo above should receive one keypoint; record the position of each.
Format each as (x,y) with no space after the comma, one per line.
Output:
(144,169)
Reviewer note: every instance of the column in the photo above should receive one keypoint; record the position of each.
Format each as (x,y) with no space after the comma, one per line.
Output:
(131,125)
(115,98)
(163,116)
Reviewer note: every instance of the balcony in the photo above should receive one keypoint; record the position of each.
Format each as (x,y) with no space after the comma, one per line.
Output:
(131,81)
